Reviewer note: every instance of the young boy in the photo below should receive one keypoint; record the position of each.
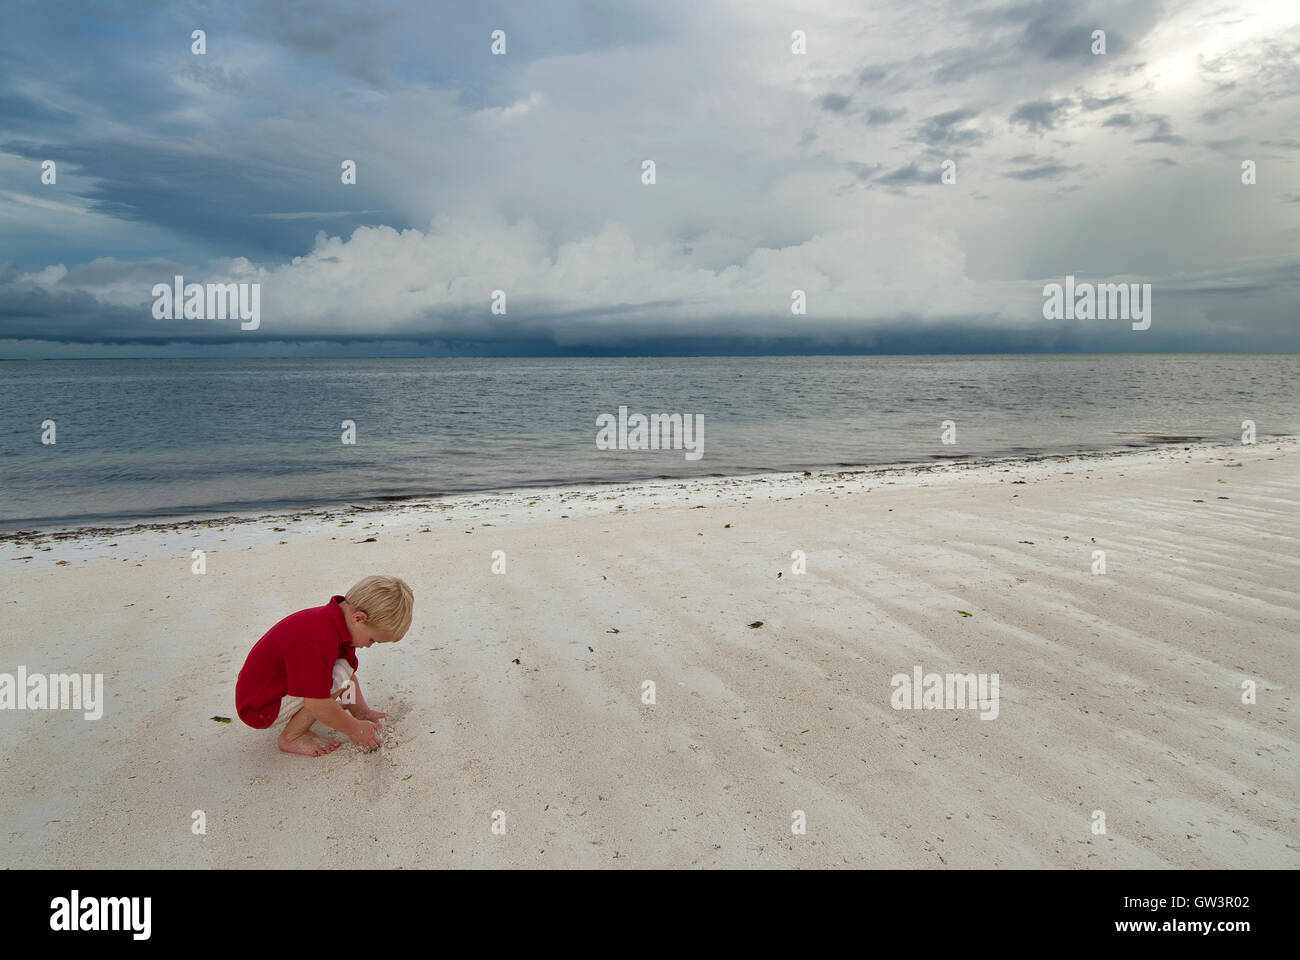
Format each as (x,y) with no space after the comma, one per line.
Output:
(304,668)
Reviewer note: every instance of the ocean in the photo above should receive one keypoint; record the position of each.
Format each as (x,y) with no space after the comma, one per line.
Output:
(136,439)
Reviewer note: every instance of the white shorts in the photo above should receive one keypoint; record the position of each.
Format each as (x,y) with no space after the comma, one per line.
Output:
(341,686)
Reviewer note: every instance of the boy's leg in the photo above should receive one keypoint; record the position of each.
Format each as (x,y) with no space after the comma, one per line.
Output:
(297,736)
(344,688)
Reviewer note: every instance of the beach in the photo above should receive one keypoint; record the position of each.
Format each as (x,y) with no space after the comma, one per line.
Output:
(518,697)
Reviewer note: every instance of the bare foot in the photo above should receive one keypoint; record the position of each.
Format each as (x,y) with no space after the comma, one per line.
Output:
(374,716)
(307,743)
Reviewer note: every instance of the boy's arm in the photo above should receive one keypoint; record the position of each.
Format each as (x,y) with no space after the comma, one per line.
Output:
(330,713)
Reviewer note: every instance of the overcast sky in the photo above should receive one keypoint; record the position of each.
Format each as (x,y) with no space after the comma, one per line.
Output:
(523,172)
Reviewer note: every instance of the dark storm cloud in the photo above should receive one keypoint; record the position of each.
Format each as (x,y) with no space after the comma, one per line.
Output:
(1161,132)
(1101,103)
(910,175)
(945,130)
(384,44)
(19,109)
(864,171)
(1050,171)
(1039,115)
(833,102)
(1232,143)
(882,116)
(222,198)
(354,38)
(1049,30)
(31,312)
(961,63)
(1052,40)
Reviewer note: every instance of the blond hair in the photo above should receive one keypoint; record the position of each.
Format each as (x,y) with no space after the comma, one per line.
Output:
(387,602)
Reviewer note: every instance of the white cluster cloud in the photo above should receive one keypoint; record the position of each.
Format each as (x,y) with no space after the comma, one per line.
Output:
(384,282)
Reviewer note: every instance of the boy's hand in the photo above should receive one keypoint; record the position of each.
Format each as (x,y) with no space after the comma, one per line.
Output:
(365,735)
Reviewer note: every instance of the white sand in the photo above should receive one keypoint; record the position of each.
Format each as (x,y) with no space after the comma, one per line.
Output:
(1119,692)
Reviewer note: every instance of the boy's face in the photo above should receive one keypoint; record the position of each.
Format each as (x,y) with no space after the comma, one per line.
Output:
(362,633)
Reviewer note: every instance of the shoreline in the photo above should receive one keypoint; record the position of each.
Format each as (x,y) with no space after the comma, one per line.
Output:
(40,535)
(773,616)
